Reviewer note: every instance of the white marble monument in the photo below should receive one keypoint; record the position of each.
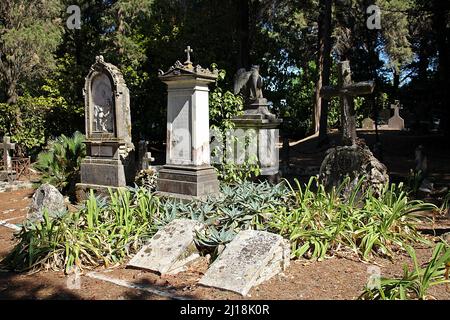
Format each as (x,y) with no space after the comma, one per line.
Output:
(188,173)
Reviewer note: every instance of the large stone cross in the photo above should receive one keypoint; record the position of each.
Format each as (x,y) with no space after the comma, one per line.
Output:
(346,90)
(6,145)
(188,52)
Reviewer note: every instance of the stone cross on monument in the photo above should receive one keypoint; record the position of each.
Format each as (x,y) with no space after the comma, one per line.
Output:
(188,51)
(7,146)
(346,90)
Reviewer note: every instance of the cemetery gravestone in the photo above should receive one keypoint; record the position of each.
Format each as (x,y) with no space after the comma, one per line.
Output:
(171,249)
(396,122)
(250,259)
(354,159)
(257,124)
(7,171)
(188,173)
(110,152)
(368,124)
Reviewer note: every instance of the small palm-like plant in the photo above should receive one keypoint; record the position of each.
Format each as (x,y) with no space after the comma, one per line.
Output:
(60,165)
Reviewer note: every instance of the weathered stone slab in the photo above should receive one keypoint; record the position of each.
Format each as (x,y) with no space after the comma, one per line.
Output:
(46,197)
(250,259)
(171,249)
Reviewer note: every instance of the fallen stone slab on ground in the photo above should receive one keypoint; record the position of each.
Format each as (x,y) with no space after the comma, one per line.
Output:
(171,249)
(250,259)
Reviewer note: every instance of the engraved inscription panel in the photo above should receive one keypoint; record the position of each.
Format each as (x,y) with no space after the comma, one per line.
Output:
(103,104)
(180,135)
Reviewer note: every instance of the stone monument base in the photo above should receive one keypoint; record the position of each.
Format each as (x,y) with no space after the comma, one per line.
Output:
(187,182)
(101,174)
(257,117)
(106,172)
(83,190)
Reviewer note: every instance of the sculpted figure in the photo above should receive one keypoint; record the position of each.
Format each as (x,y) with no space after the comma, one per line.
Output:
(250,83)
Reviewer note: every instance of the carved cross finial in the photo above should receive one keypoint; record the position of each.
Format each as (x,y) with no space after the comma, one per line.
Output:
(188,51)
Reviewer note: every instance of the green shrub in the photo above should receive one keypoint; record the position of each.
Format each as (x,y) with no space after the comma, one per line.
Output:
(100,233)
(60,165)
(319,223)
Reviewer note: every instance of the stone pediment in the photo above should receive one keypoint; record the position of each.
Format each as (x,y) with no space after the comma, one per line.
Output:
(100,66)
(188,69)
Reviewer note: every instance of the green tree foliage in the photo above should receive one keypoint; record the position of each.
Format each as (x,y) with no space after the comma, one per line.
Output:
(29,35)
(407,57)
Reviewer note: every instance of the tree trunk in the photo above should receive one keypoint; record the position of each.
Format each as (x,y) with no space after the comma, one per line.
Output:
(324,69)
(244,34)
(11,93)
(121,32)
(396,85)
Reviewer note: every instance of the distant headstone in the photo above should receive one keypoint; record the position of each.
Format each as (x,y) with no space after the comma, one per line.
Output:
(110,153)
(368,124)
(6,146)
(396,122)
(7,171)
(250,259)
(188,173)
(171,249)
(49,198)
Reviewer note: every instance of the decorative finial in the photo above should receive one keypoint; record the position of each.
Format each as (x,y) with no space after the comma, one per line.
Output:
(99,59)
(188,51)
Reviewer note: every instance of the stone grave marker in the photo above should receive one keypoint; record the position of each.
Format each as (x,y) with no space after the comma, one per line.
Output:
(354,159)
(257,123)
(171,249)
(6,146)
(396,122)
(346,90)
(188,173)
(250,259)
(368,124)
(110,153)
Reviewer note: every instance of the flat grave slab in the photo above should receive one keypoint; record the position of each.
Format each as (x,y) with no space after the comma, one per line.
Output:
(250,259)
(171,249)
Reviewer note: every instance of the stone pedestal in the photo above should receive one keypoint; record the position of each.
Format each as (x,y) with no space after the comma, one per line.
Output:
(258,121)
(110,153)
(188,173)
